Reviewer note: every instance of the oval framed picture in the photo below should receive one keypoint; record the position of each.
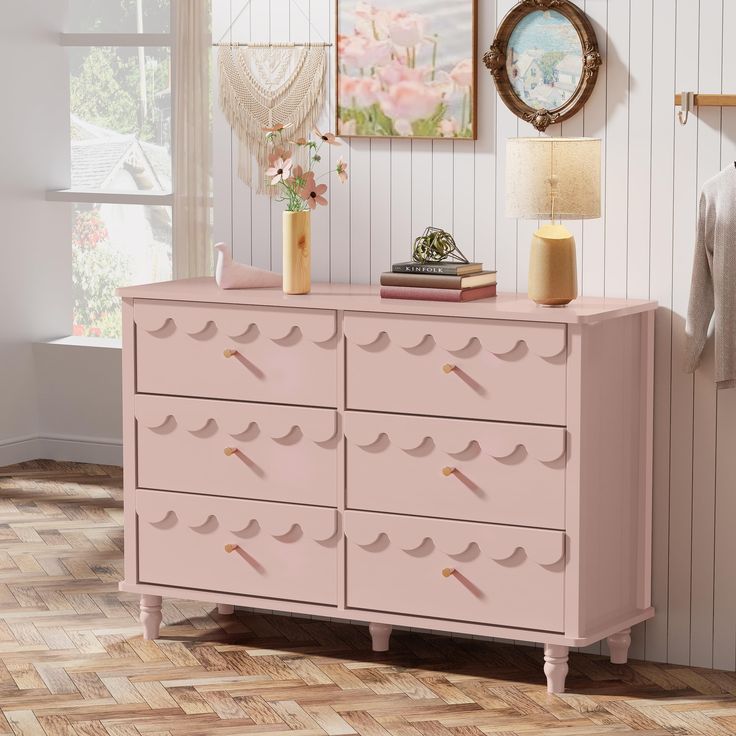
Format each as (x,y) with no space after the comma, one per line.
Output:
(544,60)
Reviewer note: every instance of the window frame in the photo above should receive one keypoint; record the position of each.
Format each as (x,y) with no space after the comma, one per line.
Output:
(124,40)
(103,196)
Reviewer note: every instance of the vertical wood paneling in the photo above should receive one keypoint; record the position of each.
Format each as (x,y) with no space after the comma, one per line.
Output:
(484,164)
(222,139)
(506,229)
(594,242)
(640,147)
(681,466)
(360,210)
(617,147)
(724,594)
(652,170)
(380,215)
(463,197)
(401,200)
(319,29)
(281,15)
(574,128)
(660,288)
(704,412)
(443,189)
(259,29)
(242,199)
(421,186)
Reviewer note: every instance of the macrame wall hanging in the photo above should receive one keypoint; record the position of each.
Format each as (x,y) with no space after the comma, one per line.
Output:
(263,85)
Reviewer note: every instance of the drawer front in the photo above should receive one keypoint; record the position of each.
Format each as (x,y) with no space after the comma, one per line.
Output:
(227,448)
(286,356)
(276,550)
(483,573)
(480,369)
(458,469)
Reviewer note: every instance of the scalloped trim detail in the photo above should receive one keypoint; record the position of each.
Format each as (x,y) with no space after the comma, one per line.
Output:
(453,335)
(317,326)
(193,415)
(544,547)
(236,515)
(545,444)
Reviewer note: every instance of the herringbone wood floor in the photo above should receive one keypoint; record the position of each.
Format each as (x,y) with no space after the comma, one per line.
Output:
(72,660)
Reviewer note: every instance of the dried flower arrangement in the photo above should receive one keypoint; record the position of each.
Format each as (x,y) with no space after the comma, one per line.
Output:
(295,186)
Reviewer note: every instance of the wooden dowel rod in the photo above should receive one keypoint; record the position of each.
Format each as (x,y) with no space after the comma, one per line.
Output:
(711,100)
(275,44)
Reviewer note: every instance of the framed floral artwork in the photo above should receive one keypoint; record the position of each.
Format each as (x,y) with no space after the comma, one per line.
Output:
(406,68)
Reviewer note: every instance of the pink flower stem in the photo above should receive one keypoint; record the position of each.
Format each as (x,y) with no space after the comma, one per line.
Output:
(434,55)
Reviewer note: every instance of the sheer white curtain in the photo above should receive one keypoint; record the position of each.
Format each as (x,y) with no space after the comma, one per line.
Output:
(191,138)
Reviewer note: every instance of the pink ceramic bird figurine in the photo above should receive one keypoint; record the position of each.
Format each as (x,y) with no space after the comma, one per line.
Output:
(232,275)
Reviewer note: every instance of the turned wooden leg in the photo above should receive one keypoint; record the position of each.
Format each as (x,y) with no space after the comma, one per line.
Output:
(225,609)
(618,646)
(150,615)
(555,667)
(380,634)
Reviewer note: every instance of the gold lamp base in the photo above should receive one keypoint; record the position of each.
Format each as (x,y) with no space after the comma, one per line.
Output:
(553,276)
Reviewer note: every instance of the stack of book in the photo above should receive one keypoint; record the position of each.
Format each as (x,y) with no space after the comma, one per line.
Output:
(448,281)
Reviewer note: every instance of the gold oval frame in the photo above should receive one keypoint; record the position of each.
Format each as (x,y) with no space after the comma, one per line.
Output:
(495,61)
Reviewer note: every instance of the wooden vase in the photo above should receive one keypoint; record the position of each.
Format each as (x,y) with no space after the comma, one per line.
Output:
(553,277)
(297,253)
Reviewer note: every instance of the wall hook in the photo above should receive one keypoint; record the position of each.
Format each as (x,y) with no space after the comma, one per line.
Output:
(687,102)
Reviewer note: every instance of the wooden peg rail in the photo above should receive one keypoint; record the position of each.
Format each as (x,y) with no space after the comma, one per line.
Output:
(715,100)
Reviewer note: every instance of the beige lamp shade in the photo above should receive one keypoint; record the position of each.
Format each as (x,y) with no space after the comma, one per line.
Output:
(553,178)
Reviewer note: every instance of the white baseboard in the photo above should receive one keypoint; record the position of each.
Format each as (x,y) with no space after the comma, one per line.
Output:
(69,448)
(19,449)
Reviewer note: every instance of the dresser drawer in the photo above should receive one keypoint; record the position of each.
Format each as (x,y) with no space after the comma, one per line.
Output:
(276,550)
(483,573)
(228,448)
(452,468)
(267,354)
(481,369)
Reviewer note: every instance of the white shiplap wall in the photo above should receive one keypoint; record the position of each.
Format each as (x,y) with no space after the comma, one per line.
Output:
(641,247)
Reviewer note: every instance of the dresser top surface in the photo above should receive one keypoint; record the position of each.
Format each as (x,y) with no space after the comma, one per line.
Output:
(365,298)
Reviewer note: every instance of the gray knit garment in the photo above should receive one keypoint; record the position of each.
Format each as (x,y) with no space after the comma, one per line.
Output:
(713,287)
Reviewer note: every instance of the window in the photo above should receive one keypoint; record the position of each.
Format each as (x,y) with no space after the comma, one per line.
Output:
(120,125)
(113,245)
(118,16)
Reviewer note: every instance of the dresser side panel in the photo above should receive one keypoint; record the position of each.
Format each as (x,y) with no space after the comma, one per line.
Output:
(130,536)
(609,393)
(341,470)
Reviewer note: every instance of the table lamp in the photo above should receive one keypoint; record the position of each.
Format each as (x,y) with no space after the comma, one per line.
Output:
(553,179)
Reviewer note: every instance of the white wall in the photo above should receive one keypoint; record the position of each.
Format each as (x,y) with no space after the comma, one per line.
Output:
(79,392)
(34,275)
(642,247)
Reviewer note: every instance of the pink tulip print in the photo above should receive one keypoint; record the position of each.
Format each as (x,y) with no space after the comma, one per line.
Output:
(405,68)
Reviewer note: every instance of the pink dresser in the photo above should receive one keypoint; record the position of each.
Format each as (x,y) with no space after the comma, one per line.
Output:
(480,468)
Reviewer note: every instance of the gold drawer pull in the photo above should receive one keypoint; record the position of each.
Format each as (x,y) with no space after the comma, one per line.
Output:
(448,470)
(231,548)
(230,451)
(229,352)
(448,571)
(449,367)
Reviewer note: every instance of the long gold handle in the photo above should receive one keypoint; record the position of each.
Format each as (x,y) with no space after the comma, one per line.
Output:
(229,352)
(448,367)
(448,470)
(230,548)
(230,451)
(448,571)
